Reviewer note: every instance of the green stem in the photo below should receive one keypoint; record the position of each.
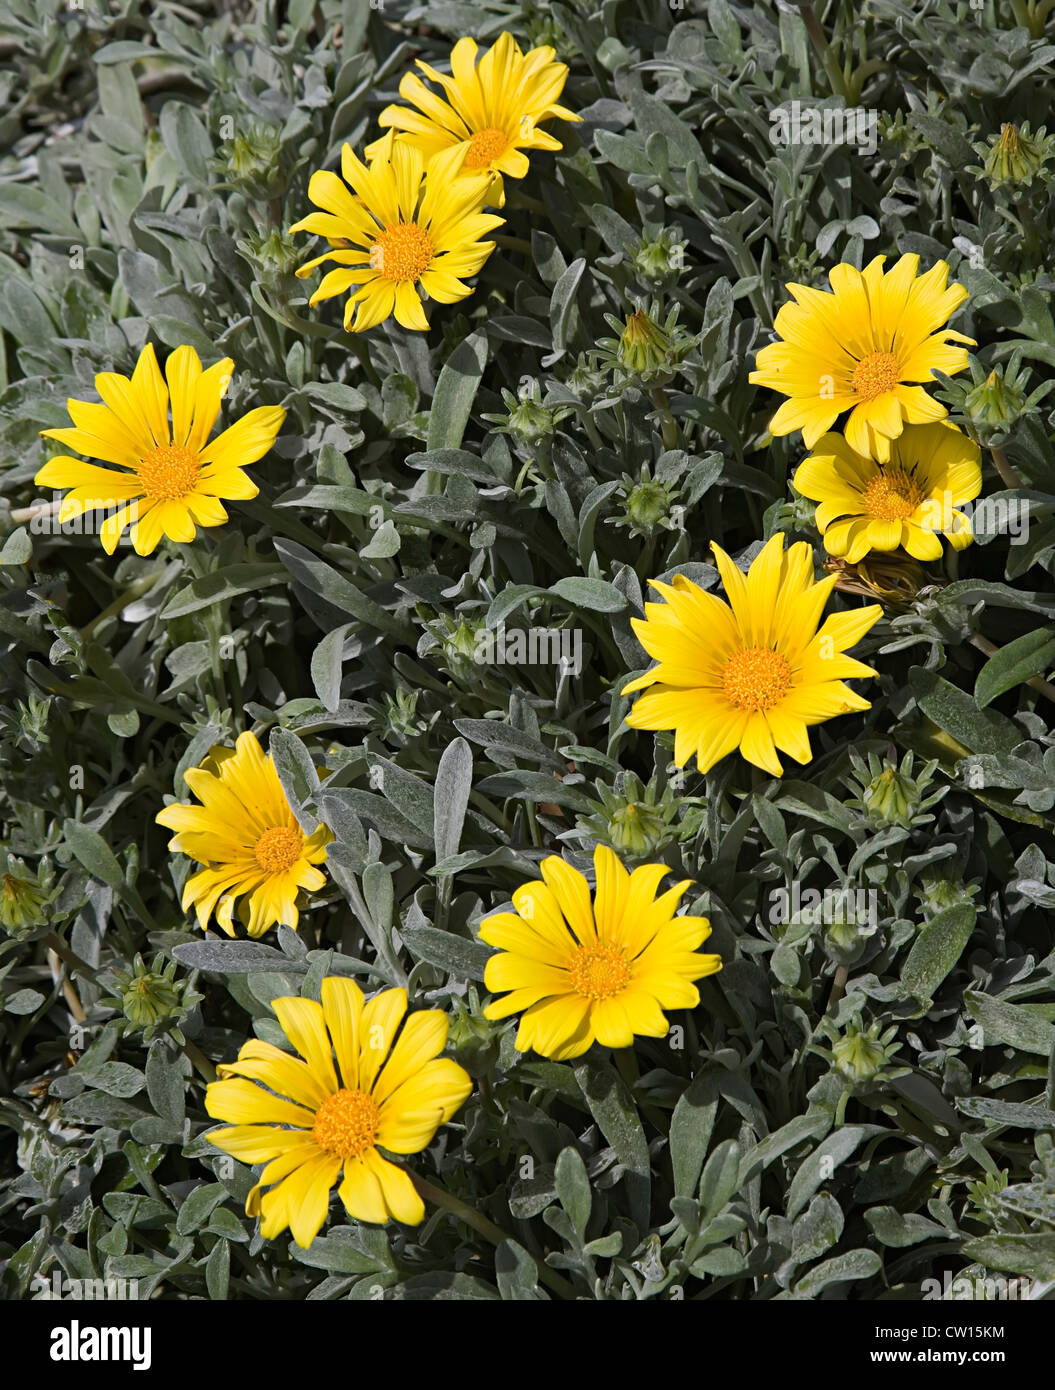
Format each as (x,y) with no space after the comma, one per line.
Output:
(627,1067)
(820,42)
(440,1197)
(1008,473)
(55,943)
(838,986)
(134,591)
(198,1060)
(667,424)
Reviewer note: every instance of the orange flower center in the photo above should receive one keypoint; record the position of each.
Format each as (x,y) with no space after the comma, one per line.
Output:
(892,496)
(756,678)
(485,146)
(169,472)
(346,1123)
(402,252)
(599,972)
(876,374)
(278,849)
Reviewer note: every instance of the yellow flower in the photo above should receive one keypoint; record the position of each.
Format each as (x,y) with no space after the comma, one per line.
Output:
(909,501)
(167,478)
(248,839)
(492,112)
(604,970)
(755,673)
(383,1093)
(856,349)
(400,232)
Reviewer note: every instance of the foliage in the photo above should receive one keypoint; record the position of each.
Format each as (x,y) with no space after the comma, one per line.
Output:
(849,1109)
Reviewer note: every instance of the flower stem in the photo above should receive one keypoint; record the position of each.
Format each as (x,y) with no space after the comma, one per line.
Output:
(667,424)
(1008,472)
(838,985)
(820,42)
(199,1060)
(134,591)
(440,1197)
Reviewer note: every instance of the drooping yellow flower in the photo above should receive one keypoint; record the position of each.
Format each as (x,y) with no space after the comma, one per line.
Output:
(584,970)
(754,673)
(399,233)
(909,501)
(168,478)
(255,854)
(859,348)
(492,112)
(383,1093)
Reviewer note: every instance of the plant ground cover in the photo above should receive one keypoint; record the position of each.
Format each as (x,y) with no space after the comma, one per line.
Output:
(423,590)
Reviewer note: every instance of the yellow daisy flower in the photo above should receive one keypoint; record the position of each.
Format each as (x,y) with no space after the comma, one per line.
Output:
(492,112)
(167,478)
(857,348)
(909,501)
(248,839)
(317,1118)
(602,970)
(754,673)
(400,232)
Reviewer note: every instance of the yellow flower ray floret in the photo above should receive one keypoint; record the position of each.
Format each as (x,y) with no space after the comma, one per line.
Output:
(492,111)
(355,1089)
(909,501)
(601,967)
(397,231)
(753,673)
(166,479)
(255,854)
(860,349)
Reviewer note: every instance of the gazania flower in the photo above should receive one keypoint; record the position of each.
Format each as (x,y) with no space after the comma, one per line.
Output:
(248,839)
(909,501)
(754,673)
(319,1117)
(492,111)
(584,970)
(858,348)
(168,478)
(401,232)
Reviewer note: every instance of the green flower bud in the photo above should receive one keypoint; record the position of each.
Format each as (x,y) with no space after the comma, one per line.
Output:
(936,893)
(644,347)
(659,260)
(252,162)
(995,402)
(530,422)
(636,821)
(888,793)
(398,717)
(151,998)
(273,255)
(1014,156)
(861,1055)
(23,905)
(473,1039)
(456,645)
(648,505)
